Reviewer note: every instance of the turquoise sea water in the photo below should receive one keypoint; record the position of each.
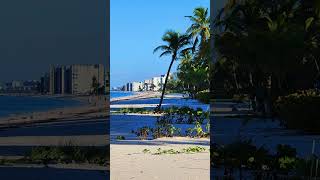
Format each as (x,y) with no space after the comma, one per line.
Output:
(24,104)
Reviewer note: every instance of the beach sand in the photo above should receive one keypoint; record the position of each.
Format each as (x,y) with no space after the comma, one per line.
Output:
(128,161)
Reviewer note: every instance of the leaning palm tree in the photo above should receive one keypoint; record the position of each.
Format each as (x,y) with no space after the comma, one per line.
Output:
(200,27)
(175,45)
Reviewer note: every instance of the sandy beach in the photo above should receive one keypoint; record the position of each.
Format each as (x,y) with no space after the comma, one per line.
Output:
(138,95)
(129,161)
(91,107)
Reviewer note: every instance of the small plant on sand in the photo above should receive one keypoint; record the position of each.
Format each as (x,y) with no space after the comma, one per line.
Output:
(146,151)
(196,131)
(189,150)
(143,132)
(165,130)
(166,151)
(121,138)
(195,149)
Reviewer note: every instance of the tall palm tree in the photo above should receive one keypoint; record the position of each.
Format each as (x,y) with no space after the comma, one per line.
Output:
(200,27)
(175,45)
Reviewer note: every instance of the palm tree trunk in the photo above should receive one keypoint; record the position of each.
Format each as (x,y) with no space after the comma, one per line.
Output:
(235,77)
(317,66)
(165,83)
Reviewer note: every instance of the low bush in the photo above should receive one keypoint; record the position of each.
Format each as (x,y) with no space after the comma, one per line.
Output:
(300,110)
(68,154)
(204,97)
(142,132)
(197,131)
(183,115)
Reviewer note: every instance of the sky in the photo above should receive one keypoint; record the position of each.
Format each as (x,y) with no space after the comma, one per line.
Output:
(37,33)
(136,29)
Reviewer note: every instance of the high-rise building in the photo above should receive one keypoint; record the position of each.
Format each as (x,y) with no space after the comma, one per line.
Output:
(77,79)
(137,86)
(45,84)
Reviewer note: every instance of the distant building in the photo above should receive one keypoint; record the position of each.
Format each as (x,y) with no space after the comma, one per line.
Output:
(158,82)
(128,87)
(45,84)
(77,79)
(30,86)
(154,84)
(147,86)
(137,86)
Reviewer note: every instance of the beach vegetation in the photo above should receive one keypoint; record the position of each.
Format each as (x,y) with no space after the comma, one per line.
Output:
(143,132)
(146,151)
(121,138)
(67,154)
(184,115)
(197,131)
(135,110)
(188,150)
(300,110)
(266,50)
(260,163)
(165,130)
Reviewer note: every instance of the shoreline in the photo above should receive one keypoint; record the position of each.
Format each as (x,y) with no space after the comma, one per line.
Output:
(90,107)
(137,95)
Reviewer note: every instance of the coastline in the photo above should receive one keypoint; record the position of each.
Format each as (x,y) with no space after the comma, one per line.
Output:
(90,107)
(138,95)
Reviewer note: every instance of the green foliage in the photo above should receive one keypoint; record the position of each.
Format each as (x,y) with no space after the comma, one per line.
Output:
(121,138)
(68,154)
(146,151)
(164,125)
(189,150)
(204,97)
(135,110)
(242,154)
(165,130)
(300,110)
(143,132)
(197,131)
(183,115)
(269,45)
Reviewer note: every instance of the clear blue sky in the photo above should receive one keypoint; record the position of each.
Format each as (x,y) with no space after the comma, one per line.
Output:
(136,29)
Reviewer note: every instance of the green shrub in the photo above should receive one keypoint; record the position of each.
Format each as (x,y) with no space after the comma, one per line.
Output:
(68,154)
(183,115)
(121,138)
(143,132)
(300,110)
(204,97)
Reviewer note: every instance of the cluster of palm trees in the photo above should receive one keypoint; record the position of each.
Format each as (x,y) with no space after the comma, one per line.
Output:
(192,48)
(268,48)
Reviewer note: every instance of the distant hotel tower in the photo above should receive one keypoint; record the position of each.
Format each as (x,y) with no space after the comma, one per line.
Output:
(75,79)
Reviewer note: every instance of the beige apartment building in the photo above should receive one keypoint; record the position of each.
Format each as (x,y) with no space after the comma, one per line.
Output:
(77,79)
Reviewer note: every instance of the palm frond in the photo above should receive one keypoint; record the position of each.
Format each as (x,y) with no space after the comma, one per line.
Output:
(165,53)
(162,47)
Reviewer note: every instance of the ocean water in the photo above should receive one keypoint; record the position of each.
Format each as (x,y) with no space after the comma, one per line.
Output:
(116,94)
(24,104)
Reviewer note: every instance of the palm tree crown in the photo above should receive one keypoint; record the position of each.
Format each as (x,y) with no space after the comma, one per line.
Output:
(175,42)
(200,26)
